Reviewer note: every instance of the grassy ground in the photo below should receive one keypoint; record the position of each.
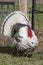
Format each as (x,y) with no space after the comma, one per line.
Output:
(9,59)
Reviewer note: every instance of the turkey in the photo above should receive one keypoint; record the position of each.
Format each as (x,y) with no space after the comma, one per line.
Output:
(17,26)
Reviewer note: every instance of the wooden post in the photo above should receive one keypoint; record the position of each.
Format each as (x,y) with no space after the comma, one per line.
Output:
(23,6)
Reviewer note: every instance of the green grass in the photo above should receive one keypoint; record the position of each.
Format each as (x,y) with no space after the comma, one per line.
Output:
(9,59)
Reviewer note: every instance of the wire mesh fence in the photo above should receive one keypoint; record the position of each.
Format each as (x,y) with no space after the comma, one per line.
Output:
(5,9)
(37,19)
(39,22)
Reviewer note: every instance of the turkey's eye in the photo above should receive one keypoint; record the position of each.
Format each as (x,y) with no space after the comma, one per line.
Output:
(32,42)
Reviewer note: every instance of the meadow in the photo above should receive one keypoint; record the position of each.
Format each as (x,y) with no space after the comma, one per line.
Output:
(9,59)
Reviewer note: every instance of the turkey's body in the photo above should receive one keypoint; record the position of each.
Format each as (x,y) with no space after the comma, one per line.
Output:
(20,35)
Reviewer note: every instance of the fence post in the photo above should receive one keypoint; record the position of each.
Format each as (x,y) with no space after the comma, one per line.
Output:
(23,6)
(33,7)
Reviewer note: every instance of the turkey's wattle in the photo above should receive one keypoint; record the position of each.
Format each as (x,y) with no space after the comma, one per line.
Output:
(29,32)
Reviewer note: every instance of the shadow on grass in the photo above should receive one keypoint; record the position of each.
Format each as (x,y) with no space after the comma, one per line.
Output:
(13,51)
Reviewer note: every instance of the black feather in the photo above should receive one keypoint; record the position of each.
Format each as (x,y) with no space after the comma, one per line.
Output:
(16,28)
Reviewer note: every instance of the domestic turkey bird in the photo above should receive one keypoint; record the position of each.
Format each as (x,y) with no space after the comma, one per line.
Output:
(16,26)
